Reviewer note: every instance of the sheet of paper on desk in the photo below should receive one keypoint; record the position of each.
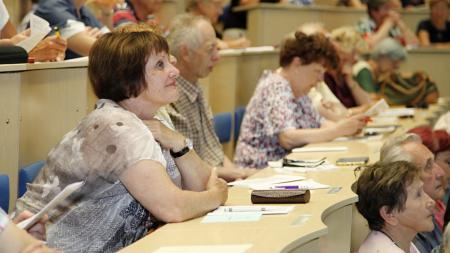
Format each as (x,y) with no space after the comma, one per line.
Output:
(231,217)
(324,167)
(263,209)
(224,248)
(309,184)
(249,183)
(359,138)
(398,112)
(320,149)
(39,29)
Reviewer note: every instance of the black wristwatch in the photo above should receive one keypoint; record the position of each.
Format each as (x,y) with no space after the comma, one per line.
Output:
(184,150)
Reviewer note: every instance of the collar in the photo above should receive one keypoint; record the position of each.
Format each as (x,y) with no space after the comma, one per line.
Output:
(192,91)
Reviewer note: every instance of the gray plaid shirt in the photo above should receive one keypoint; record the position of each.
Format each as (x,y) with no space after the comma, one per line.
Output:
(192,116)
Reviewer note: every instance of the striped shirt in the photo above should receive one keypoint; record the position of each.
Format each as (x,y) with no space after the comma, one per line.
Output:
(192,117)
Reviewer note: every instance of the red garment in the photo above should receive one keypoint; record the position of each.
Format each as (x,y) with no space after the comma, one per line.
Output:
(439,214)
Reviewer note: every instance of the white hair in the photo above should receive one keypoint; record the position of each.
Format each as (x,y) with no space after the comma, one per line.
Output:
(183,31)
(393,150)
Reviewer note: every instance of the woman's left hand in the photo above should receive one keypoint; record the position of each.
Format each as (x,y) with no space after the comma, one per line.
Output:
(168,138)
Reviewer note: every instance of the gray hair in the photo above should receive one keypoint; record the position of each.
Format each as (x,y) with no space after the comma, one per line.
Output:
(391,48)
(392,150)
(183,31)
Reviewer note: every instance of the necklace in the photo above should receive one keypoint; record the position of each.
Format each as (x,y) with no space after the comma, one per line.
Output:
(390,238)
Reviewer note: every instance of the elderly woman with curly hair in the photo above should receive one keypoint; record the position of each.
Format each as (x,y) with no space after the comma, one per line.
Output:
(280,115)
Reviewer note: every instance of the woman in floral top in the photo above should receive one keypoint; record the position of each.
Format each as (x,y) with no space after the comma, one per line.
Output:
(280,115)
(131,182)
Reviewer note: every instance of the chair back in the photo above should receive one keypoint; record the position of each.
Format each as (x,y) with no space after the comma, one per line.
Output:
(4,192)
(238,117)
(27,174)
(223,126)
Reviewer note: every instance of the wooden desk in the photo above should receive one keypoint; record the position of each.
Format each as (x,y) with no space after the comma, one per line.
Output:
(39,104)
(268,23)
(328,228)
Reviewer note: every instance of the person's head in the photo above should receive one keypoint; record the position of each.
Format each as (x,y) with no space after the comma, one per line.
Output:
(349,44)
(391,196)
(388,54)
(409,147)
(305,58)
(438,142)
(193,42)
(439,10)
(378,10)
(147,6)
(211,9)
(133,64)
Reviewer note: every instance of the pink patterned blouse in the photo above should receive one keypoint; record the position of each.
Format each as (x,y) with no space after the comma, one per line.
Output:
(272,110)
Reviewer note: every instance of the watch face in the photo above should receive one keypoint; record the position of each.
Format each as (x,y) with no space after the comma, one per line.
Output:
(189,143)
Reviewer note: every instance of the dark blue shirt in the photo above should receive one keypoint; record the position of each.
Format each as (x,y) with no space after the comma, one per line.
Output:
(436,36)
(57,12)
(427,241)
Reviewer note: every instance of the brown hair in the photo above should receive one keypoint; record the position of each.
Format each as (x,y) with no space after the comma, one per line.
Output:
(117,63)
(384,184)
(314,48)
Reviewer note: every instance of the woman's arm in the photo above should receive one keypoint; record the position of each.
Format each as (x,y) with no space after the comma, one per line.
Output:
(15,240)
(424,38)
(148,182)
(292,138)
(195,172)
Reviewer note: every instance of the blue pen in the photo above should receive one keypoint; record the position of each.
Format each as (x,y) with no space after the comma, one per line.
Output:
(286,187)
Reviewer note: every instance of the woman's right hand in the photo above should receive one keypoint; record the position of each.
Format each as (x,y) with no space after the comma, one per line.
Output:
(351,125)
(218,185)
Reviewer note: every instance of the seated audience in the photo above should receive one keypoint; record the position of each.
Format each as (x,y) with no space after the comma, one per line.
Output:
(409,148)
(384,22)
(212,9)
(280,115)
(137,11)
(392,199)
(52,48)
(340,80)
(16,240)
(192,40)
(380,77)
(76,23)
(134,180)
(435,31)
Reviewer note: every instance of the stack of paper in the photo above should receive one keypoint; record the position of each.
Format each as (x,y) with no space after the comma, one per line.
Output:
(263,209)
(377,108)
(266,181)
(320,149)
(309,184)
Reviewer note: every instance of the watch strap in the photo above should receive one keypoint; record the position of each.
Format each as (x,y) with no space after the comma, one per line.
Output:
(180,153)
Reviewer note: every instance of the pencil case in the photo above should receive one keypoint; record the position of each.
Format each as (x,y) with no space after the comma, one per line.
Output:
(280,196)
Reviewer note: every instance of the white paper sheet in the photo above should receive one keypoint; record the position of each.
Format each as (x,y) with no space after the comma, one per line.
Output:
(26,224)
(320,149)
(39,29)
(232,217)
(264,209)
(398,112)
(260,182)
(377,108)
(309,184)
(231,248)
